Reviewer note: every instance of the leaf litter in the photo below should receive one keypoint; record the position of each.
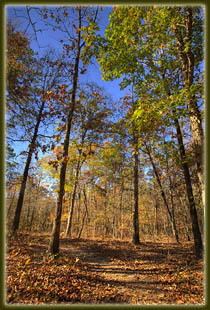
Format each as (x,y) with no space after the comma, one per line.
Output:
(101,272)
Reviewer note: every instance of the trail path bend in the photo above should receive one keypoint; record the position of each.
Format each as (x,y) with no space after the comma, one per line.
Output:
(142,272)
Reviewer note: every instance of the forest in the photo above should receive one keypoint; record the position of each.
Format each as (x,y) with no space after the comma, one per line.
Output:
(104,151)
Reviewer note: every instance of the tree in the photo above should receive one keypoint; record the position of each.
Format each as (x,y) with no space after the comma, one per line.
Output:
(170,212)
(19,69)
(38,100)
(188,35)
(149,59)
(76,45)
(131,134)
(193,213)
(136,237)
(92,125)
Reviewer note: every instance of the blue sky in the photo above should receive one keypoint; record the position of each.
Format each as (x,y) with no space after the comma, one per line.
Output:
(50,39)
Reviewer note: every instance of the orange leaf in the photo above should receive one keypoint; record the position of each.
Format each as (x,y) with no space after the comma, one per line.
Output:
(28,260)
(180,301)
(13,255)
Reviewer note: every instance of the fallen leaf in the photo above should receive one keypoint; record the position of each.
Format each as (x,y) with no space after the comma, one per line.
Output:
(28,260)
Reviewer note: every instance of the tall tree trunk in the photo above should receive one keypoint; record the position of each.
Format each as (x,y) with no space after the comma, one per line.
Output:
(32,219)
(106,220)
(11,203)
(156,218)
(71,210)
(95,218)
(187,66)
(174,228)
(136,238)
(121,209)
(34,208)
(175,231)
(18,210)
(85,213)
(192,208)
(171,214)
(55,238)
(78,168)
(78,218)
(186,219)
(28,210)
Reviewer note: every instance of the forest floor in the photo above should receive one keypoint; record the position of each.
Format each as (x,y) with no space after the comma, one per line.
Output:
(102,272)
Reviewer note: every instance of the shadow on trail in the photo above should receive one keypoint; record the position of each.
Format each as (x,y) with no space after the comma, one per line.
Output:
(100,268)
(97,251)
(155,286)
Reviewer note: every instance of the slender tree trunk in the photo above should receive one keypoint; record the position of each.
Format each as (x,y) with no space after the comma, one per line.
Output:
(32,219)
(115,215)
(186,220)
(34,208)
(95,218)
(136,238)
(174,228)
(11,203)
(121,209)
(156,218)
(78,168)
(28,210)
(175,231)
(85,213)
(172,218)
(71,211)
(18,210)
(105,213)
(78,211)
(83,222)
(192,208)
(55,238)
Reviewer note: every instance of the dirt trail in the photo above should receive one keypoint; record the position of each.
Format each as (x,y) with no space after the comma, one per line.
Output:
(141,272)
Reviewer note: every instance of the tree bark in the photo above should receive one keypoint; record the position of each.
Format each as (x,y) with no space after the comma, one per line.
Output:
(187,67)
(192,208)
(85,213)
(106,219)
(54,242)
(121,208)
(136,238)
(175,231)
(69,222)
(156,219)
(11,203)
(174,228)
(18,210)
(170,213)
(78,168)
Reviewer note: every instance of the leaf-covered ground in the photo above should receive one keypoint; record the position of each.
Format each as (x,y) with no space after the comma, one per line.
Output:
(95,271)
